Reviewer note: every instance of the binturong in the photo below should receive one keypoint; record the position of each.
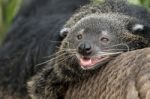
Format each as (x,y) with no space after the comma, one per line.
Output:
(92,37)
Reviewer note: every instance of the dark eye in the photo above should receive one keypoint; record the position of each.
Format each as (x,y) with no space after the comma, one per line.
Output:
(79,36)
(104,40)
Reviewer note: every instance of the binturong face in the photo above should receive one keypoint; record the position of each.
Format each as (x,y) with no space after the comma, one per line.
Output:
(96,39)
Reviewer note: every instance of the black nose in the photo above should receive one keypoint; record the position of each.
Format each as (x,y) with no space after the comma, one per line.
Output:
(85,48)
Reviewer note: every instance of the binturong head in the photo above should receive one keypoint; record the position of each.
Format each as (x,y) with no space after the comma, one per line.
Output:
(95,39)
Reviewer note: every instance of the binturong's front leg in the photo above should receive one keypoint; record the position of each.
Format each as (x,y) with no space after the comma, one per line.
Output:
(46,85)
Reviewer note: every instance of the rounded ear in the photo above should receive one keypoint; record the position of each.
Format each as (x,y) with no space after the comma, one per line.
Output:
(140,29)
(64,32)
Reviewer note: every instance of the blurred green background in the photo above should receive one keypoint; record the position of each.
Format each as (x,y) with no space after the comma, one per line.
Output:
(9,8)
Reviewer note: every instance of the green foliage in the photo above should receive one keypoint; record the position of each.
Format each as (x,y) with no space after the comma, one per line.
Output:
(96,1)
(8,9)
(145,3)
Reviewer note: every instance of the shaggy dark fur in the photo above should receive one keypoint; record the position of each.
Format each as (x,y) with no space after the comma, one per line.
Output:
(33,36)
(126,77)
(90,27)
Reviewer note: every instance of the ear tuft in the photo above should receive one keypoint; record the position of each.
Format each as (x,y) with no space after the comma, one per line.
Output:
(137,27)
(140,29)
(64,32)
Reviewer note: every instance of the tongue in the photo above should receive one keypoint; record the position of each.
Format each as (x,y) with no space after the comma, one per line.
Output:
(87,62)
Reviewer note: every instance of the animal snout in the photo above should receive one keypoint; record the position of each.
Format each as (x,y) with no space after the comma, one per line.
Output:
(85,48)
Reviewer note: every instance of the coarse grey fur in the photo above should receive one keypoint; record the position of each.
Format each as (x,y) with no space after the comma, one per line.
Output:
(33,35)
(111,6)
(113,21)
(126,77)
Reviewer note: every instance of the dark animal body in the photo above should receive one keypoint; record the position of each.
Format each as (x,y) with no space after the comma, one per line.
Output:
(95,34)
(126,77)
(33,36)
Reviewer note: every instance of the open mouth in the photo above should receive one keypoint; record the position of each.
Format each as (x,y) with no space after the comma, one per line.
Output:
(92,62)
